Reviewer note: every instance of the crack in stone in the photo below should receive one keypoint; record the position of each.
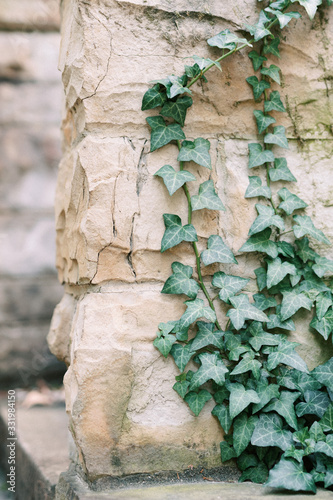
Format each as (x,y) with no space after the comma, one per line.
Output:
(143,173)
(129,255)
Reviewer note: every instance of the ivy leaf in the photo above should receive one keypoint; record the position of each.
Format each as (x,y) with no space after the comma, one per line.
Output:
(295,453)
(284,17)
(212,368)
(246,460)
(234,346)
(290,475)
(256,188)
(316,432)
(229,285)
(322,266)
(304,381)
(261,277)
(269,432)
(310,6)
(164,344)
(207,198)
(324,373)
(181,387)
(290,202)
(273,72)
(248,364)
(277,270)
(266,393)
(273,47)
(279,4)
(181,354)
(285,353)
(293,301)
(258,86)
(227,40)
(263,121)
(281,172)
(196,309)
(197,151)
(258,31)
(192,71)
(284,406)
(227,453)
(327,421)
(223,415)
(162,134)
(304,251)
(325,447)
(278,137)
(243,310)
(260,337)
(177,109)
(207,336)
(203,63)
(262,302)
(257,474)
(306,226)
(257,59)
(274,103)
(217,252)
(180,282)
(325,325)
(260,242)
(153,98)
(243,430)
(177,86)
(265,219)
(175,233)
(174,180)
(240,398)
(258,156)
(197,400)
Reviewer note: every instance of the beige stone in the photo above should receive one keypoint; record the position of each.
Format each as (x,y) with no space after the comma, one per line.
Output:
(59,334)
(41,15)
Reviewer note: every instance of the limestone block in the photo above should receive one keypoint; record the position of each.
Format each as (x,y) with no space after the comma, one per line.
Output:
(40,15)
(59,334)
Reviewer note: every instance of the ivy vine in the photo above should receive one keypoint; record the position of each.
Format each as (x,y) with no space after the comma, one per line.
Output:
(276,415)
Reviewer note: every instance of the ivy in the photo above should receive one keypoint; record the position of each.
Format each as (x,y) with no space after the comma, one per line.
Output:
(277,415)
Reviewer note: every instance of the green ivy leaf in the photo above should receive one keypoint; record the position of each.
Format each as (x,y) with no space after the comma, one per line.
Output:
(278,137)
(207,336)
(181,387)
(257,59)
(269,432)
(281,172)
(153,98)
(284,17)
(304,251)
(174,180)
(256,474)
(243,430)
(316,432)
(203,63)
(248,364)
(229,285)
(181,354)
(234,346)
(164,344)
(284,406)
(295,453)
(329,474)
(263,121)
(261,276)
(279,4)
(197,151)
(180,282)
(290,202)
(197,400)
(304,381)
(223,415)
(243,310)
(276,322)
(325,325)
(274,103)
(227,453)
(240,398)
(246,460)
(262,302)
(175,233)
(196,309)
(285,353)
(258,156)
(306,226)
(256,188)
(258,31)
(192,71)
(227,40)
(322,266)
(290,475)
(273,72)
(177,109)
(217,251)
(324,373)
(310,6)
(266,393)
(273,47)
(207,198)
(162,134)
(260,242)
(177,86)
(327,421)
(277,270)
(293,301)
(325,447)
(212,368)
(265,219)
(260,337)
(258,86)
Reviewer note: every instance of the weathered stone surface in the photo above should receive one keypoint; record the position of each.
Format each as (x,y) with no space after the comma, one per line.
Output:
(59,334)
(34,15)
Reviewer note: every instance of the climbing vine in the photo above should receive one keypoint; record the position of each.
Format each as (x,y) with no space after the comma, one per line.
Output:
(277,416)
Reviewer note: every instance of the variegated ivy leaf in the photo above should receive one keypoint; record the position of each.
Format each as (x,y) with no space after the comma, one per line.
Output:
(292,302)
(177,109)
(227,40)
(286,249)
(327,421)
(257,474)
(197,151)
(181,387)
(322,266)
(273,72)
(316,403)
(243,310)
(263,121)
(272,47)
(269,432)
(325,447)
(177,86)
(227,453)
(174,180)
(248,363)
(175,233)
(153,98)
(162,134)
(246,460)
(265,219)
(256,188)
(261,275)
(229,285)
(304,251)
(266,393)
(257,59)
(203,63)
(181,281)
(258,31)
(278,137)
(196,309)
(324,325)
(234,346)
(197,400)
(324,373)
(181,354)
(260,337)
(310,6)
(283,17)
(290,475)
(223,415)
(284,406)
(240,398)
(274,103)
(277,270)
(217,251)
(262,302)
(164,344)
(306,226)
(207,335)
(243,430)
(258,86)
(279,4)
(207,198)
(276,322)
(304,381)
(258,157)
(221,395)
(192,71)
(212,368)
(295,453)
(260,242)
(290,202)
(285,353)
(281,172)
(323,303)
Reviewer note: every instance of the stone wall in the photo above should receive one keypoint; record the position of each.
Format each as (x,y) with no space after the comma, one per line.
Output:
(30,115)
(124,415)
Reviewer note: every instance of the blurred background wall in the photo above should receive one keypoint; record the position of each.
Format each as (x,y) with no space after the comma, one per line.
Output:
(30,149)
